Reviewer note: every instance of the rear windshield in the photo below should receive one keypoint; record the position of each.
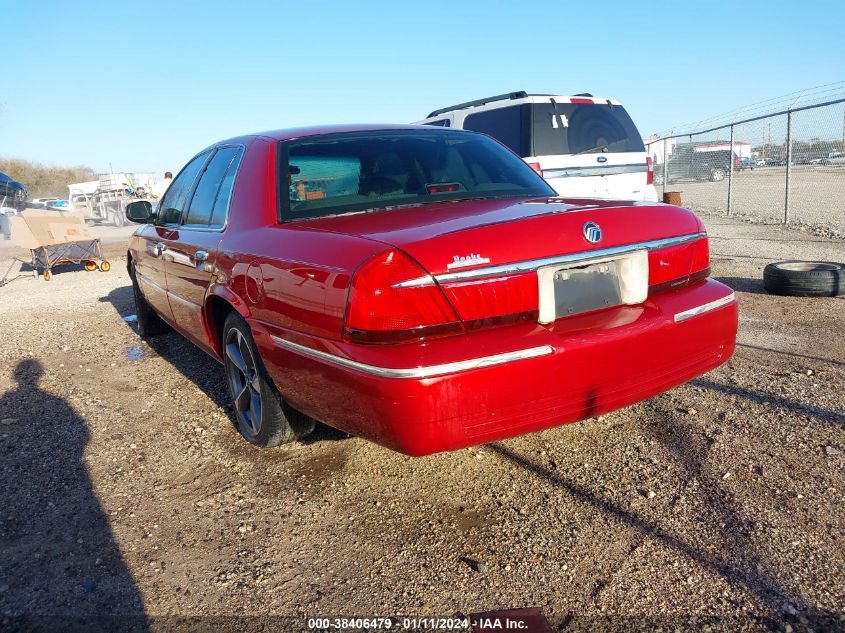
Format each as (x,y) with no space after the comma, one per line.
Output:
(583,128)
(343,173)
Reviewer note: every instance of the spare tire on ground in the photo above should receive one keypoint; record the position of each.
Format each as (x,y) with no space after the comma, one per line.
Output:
(805,279)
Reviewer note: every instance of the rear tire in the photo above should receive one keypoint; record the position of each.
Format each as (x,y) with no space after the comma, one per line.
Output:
(805,279)
(717,174)
(149,322)
(261,414)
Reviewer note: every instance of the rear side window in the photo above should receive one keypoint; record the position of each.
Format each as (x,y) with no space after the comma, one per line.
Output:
(509,126)
(176,197)
(583,128)
(211,188)
(224,195)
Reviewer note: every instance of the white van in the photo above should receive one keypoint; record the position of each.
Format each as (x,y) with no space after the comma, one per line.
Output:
(585,147)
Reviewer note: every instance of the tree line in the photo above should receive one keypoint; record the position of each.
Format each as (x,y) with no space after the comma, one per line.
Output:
(45,180)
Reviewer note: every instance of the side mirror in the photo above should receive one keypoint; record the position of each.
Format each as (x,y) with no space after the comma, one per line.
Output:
(140,211)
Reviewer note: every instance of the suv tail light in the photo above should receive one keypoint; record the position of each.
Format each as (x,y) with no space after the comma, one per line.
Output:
(383,307)
(679,265)
(536,167)
(649,177)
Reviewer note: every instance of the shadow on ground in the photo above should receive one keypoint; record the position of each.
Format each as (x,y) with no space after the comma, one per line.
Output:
(197,366)
(59,558)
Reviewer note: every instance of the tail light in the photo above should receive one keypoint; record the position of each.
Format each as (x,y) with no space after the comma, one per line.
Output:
(679,265)
(498,301)
(649,176)
(536,167)
(393,299)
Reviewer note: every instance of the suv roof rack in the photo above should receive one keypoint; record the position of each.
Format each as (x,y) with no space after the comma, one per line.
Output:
(521,94)
(583,94)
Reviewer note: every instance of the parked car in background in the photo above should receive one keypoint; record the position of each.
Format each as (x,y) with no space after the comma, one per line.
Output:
(582,145)
(420,287)
(747,163)
(688,163)
(11,191)
(42,202)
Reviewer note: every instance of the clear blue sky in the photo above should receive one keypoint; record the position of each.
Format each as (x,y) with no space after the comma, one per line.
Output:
(144,85)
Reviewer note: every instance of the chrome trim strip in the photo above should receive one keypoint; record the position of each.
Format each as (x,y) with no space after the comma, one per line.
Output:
(416,372)
(596,170)
(707,307)
(426,280)
(182,300)
(534,264)
(149,281)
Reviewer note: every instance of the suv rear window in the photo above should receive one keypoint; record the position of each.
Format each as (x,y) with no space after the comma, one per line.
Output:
(582,128)
(343,173)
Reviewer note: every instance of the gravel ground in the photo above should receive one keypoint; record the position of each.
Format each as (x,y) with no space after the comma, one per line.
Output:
(817,196)
(125,489)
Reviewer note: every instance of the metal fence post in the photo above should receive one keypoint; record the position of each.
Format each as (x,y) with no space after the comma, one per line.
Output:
(665,161)
(788,166)
(731,170)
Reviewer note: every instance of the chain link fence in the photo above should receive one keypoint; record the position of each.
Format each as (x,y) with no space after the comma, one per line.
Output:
(783,167)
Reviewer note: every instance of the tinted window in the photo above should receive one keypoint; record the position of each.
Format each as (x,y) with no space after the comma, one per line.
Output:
(341,173)
(175,199)
(439,123)
(574,128)
(506,125)
(221,204)
(203,202)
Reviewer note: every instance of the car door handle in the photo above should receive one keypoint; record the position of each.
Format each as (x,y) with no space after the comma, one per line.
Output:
(201,256)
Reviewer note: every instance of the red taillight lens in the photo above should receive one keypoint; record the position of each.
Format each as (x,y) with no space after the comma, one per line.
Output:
(678,265)
(536,167)
(383,308)
(649,177)
(489,302)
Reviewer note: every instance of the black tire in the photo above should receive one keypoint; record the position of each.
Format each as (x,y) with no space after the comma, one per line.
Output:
(262,416)
(805,279)
(149,322)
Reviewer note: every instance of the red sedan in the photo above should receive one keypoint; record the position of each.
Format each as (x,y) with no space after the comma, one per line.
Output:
(421,287)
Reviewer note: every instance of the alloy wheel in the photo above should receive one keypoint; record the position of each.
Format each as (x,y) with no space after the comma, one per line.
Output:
(244,382)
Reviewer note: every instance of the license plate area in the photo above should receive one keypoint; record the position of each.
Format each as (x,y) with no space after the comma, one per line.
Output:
(592,284)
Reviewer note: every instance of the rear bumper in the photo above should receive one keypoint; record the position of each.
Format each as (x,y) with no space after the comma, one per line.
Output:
(460,392)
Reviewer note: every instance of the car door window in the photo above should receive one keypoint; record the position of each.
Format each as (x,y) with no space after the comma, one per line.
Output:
(204,200)
(224,194)
(174,200)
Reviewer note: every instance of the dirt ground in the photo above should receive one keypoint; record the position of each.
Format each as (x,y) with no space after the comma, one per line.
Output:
(816,195)
(124,488)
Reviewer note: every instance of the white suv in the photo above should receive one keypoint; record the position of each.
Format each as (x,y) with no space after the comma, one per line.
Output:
(585,147)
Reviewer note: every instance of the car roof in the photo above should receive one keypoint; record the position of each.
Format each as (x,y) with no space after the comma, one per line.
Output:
(300,132)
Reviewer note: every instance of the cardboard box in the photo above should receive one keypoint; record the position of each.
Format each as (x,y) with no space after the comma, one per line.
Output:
(36,227)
